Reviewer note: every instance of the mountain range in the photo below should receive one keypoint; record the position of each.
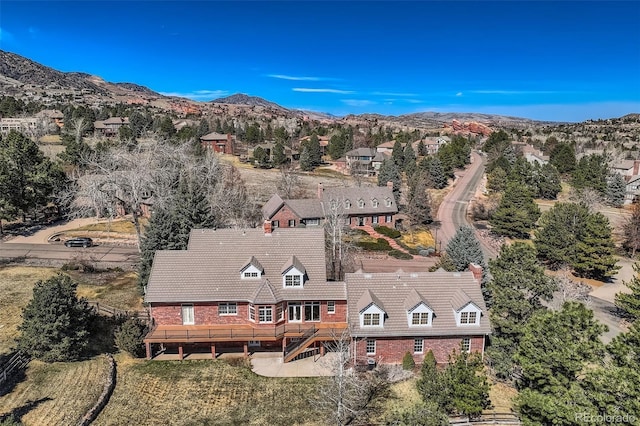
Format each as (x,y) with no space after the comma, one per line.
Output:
(20,76)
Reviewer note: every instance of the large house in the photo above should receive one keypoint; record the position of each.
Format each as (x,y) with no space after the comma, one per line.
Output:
(266,289)
(361,206)
(218,142)
(111,126)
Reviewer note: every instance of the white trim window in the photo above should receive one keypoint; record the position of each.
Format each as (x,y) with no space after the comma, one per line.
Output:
(389,219)
(371,319)
(371,346)
(279,312)
(188,314)
(331,307)
(312,222)
(468,317)
(312,311)
(361,203)
(374,219)
(374,203)
(420,316)
(293,280)
(252,313)
(347,204)
(292,223)
(387,202)
(265,313)
(418,346)
(228,308)
(466,344)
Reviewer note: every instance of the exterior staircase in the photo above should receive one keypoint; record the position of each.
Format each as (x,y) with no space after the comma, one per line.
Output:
(297,348)
(394,245)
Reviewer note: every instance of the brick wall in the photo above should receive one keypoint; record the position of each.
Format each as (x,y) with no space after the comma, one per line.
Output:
(284,215)
(353,220)
(391,350)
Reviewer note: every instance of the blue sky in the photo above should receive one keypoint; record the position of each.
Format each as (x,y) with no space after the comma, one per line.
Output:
(563,60)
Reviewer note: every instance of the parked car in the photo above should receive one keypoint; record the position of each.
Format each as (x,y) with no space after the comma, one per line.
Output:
(79,242)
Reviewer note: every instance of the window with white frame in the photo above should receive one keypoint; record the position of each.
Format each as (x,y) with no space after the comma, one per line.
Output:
(252,312)
(374,219)
(466,344)
(347,204)
(468,317)
(360,203)
(331,307)
(292,223)
(418,346)
(265,313)
(250,275)
(387,202)
(188,314)
(374,202)
(420,318)
(275,224)
(371,319)
(279,312)
(292,280)
(371,346)
(312,222)
(230,308)
(389,218)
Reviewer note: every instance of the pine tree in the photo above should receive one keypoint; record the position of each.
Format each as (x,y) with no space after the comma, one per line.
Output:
(436,174)
(278,155)
(497,180)
(464,248)
(616,190)
(305,160)
(397,154)
(54,325)
(159,234)
(336,148)
(516,214)
(430,384)
(419,202)
(389,173)
(563,157)
(192,210)
(595,252)
(409,164)
(548,181)
(314,150)
(422,149)
(629,303)
(467,384)
(631,230)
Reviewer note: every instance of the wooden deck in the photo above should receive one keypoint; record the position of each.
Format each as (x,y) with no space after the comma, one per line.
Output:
(239,333)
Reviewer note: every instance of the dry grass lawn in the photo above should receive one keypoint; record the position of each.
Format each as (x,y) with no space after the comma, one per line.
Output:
(16,290)
(419,237)
(56,394)
(205,392)
(117,226)
(501,397)
(119,290)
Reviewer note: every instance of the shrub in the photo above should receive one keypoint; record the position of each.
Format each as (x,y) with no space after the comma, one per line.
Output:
(400,255)
(129,337)
(407,361)
(379,245)
(389,232)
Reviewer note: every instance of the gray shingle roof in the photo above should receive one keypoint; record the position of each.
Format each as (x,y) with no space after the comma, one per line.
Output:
(361,152)
(397,290)
(252,262)
(208,270)
(272,206)
(214,136)
(367,299)
(367,194)
(310,208)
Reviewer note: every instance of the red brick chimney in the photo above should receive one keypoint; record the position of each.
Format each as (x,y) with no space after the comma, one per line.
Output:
(320,190)
(390,185)
(476,270)
(267,227)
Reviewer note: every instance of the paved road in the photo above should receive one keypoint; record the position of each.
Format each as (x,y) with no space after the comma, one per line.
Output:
(60,252)
(452,212)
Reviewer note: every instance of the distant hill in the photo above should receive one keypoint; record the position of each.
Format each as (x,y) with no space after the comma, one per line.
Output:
(242,99)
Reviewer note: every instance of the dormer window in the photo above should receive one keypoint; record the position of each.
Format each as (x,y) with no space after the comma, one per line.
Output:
(387,202)
(251,270)
(361,203)
(371,311)
(293,273)
(469,315)
(371,319)
(251,274)
(419,313)
(374,203)
(347,204)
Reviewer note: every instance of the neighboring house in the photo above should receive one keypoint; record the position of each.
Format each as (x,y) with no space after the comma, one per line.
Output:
(17,124)
(432,144)
(532,154)
(391,314)
(269,148)
(360,206)
(632,189)
(224,144)
(111,126)
(262,289)
(360,161)
(626,168)
(245,289)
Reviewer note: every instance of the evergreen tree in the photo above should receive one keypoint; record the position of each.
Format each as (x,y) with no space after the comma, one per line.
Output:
(430,385)
(409,165)
(128,337)
(560,230)
(192,210)
(422,149)
(336,148)
(467,384)
(419,202)
(464,248)
(591,172)
(437,175)
(518,287)
(595,252)
(54,326)
(389,173)
(278,155)
(516,214)
(306,163)
(397,154)
(75,151)
(260,156)
(314,151)
(160,234)
(631,230)
(203,128)
(616,190)
(629,303)
(548,181)
(563,158)
(166,128)
(497,180)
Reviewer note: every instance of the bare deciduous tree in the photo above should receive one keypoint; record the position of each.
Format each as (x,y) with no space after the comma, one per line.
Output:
(570,290)
(289,183)
(338,250)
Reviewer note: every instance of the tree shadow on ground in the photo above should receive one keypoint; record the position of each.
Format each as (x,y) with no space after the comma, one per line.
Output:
(17,413)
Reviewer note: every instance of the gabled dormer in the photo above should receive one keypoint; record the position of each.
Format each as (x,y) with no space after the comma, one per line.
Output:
(360,203)
(293,273)
(347,204)
(387,202)
(252,270)
(419,313)
(374,203)
(465,310)
(371,311)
